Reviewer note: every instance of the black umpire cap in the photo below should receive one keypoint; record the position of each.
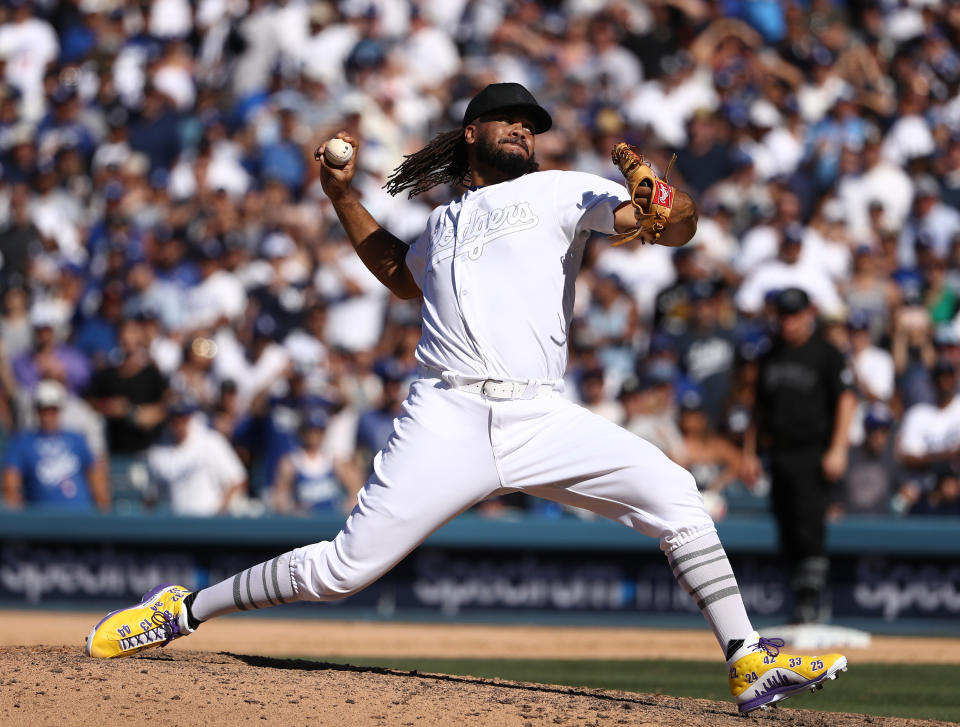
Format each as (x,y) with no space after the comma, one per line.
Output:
(498,96)
(792,300)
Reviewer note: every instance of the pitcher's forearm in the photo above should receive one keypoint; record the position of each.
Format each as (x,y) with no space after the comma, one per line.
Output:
(383,253)
(679,230)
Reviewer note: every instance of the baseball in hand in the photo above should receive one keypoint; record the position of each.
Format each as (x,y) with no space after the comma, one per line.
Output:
(337,152)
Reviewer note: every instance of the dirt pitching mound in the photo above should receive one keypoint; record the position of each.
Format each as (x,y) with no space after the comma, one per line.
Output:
(58,685)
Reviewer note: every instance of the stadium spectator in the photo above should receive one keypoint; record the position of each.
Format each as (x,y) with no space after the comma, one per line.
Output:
(673,307)
(879,184)
(929,440)
(15,329)
(873,474)
(593,395)
(913,350)
(786,271)
(356,302)
(76,415)
(194,378)
(154,130)
(932,221)
(95,335)
(872,368)
(308,480)
(868,292)
(706,350)
(194,470)
(282,159)
(648,403)
(29,45)
(712,460)
(49,358)
(147,294)
(611,325)
(277,416)
(218,298)
(50,466)
(18,238)
(943,500)
(130,393)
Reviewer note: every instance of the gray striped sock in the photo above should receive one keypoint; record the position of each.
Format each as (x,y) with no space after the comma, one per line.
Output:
(702,568)
(265,584)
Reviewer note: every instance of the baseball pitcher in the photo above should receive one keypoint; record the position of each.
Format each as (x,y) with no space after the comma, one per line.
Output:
(496,269)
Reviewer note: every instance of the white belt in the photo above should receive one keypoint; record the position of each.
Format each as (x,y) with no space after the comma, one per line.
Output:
(496,389)
(492,388)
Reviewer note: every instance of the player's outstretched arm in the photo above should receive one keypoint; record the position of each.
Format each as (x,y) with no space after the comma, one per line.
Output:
(384,254)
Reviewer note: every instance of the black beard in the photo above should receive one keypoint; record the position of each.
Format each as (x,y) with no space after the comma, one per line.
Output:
(508,164)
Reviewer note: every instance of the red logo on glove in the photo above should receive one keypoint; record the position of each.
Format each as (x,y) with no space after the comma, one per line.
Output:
(663,195)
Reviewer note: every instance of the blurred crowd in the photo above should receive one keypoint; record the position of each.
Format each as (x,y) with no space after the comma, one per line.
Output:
(184,325)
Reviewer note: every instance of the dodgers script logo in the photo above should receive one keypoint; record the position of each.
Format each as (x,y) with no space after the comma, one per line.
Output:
(479,229)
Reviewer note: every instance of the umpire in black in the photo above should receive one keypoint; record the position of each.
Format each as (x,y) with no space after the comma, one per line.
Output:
(801,424)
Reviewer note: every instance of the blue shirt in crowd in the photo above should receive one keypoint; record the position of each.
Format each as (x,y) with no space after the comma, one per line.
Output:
(53,468)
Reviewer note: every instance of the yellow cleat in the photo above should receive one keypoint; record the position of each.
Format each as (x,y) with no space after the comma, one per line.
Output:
(155,621)
(764,675)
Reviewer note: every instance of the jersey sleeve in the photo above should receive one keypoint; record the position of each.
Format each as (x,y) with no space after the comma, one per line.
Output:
(587,202)
(417,253)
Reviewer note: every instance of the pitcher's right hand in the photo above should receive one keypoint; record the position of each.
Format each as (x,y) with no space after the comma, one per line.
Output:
(336,180)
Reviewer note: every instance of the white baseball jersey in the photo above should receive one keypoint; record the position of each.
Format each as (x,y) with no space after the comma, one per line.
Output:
(497,268)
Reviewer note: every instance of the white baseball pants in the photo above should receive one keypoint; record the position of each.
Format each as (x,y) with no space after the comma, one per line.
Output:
(452,449)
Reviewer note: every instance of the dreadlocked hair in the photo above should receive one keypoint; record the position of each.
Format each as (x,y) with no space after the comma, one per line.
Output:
(442,161)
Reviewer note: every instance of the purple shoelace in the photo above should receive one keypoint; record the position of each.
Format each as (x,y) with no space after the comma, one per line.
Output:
(171,627)
(771,646)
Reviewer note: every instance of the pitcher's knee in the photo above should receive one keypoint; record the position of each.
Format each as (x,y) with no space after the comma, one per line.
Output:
(318,574)
(685,516)
(680,491)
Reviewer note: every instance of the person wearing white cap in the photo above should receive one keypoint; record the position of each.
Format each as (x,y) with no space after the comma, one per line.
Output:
(50,467)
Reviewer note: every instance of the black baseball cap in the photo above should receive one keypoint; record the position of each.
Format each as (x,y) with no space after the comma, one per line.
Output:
(498,96)
(792,300)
